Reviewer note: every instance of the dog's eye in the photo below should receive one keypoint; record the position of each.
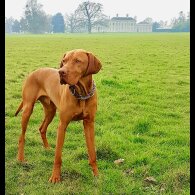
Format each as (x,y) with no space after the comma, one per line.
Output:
(77,61)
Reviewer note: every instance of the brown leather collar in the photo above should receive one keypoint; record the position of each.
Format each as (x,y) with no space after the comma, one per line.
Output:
(79,96)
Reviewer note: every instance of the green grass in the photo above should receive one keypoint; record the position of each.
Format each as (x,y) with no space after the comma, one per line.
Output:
(143,116)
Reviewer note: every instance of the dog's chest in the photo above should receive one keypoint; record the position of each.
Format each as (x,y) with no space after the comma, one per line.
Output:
(81,113)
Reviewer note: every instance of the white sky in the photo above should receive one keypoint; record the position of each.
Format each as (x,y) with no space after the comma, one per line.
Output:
(156,9)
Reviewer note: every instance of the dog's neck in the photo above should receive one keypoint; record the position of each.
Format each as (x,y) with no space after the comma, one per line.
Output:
(84,86)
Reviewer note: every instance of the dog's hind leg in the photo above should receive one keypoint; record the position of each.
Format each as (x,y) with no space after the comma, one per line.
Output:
(49,110)
(27,111)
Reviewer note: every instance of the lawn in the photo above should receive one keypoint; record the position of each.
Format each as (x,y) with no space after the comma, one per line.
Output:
(143,116)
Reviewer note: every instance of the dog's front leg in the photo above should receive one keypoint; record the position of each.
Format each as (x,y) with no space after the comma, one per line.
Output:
(89,136)
(58,152)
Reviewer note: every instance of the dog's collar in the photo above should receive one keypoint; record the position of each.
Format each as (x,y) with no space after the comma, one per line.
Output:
(79,96)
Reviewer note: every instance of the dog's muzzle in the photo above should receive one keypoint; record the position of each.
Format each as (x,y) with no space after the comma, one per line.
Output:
(62,74)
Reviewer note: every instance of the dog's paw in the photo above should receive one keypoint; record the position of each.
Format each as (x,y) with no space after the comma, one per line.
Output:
(21,160)
(54,178)
(47,147)
(95,171)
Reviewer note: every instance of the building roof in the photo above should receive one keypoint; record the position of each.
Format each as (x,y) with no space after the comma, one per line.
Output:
(164,28)
(122,18)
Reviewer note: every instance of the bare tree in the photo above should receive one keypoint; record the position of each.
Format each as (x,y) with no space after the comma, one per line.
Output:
(74,22)
(174,21)
(162,23)
(91,14)
(148,20)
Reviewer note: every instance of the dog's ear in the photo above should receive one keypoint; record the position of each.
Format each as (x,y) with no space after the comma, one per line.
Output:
(94,65)
(61,63)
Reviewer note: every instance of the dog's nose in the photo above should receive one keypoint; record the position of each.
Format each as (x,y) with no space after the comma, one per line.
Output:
(61,72)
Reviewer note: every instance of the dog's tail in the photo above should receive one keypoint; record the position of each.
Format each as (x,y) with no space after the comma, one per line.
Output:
(19,108)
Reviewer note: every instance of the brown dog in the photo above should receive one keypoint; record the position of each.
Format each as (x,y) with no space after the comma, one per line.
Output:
(72,91)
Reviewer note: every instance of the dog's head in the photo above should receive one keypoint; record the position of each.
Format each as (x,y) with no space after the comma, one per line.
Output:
(76,64)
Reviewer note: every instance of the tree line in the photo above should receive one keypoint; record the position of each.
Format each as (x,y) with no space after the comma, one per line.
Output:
(35,20)
(178,24)
(83,19)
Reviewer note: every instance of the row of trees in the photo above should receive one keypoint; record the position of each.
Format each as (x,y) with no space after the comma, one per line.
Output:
(179,24)
(35,20)
(87,15)
(182,23)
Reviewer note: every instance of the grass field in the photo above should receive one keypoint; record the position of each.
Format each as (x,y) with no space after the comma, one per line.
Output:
(143,116)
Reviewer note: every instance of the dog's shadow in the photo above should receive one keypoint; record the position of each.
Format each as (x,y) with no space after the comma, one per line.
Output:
(71,175)
(25,166)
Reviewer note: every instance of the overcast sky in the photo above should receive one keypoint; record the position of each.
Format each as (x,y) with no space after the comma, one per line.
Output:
(156,9)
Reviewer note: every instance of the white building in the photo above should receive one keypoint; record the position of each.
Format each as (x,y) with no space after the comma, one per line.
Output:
(123,24)
(144,27)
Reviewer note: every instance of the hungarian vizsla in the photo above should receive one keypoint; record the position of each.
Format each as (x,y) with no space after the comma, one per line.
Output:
(69,89)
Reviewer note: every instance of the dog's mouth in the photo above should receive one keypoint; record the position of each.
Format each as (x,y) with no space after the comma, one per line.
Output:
(62,82)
